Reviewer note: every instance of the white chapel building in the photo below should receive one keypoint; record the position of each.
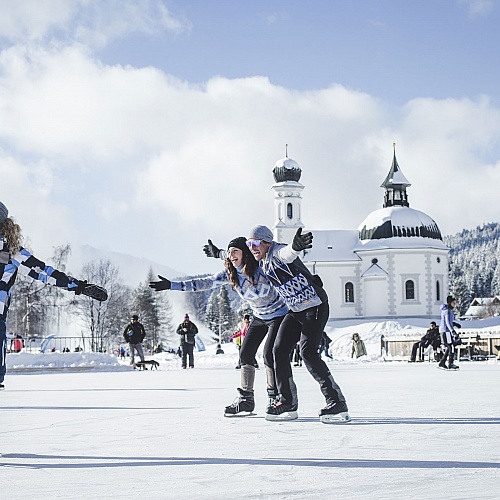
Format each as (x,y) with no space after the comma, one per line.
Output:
(394,265)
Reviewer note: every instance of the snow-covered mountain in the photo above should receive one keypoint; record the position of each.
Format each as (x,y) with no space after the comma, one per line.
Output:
(133,270)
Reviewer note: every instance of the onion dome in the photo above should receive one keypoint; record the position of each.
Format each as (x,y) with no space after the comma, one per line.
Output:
(398,222)
(286,169)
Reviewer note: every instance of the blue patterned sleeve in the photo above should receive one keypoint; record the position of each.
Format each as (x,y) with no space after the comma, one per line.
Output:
(30,266)
(200,284)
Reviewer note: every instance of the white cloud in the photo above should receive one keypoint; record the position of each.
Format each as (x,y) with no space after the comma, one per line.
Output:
(138,162)
(478,7)
(93,22)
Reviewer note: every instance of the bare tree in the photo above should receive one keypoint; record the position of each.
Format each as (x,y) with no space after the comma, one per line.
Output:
(36,307)
(103,320)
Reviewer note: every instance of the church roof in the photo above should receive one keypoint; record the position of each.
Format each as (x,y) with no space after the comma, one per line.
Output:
(375,271)
(395,177)
(335,245)
(400,224)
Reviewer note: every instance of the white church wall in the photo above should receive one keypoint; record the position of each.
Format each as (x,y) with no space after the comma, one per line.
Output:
(375,303)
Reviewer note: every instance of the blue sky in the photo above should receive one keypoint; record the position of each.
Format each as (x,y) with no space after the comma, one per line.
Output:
(394,50)
(146,127)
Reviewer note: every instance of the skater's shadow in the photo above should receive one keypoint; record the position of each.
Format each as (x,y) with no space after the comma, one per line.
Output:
(35,461)
(422,421)
(93,408)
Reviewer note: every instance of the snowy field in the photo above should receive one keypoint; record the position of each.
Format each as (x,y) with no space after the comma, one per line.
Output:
(417,432)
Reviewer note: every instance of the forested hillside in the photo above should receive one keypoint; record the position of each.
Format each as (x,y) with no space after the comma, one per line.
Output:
(474,263)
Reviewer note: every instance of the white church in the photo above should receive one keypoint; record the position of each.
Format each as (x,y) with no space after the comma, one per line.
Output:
(395,265)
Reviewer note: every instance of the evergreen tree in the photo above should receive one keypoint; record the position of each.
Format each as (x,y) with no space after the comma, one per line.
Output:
(473,263)
(212,313)
(145,306)
(226,315)
(154,311)
(219,314)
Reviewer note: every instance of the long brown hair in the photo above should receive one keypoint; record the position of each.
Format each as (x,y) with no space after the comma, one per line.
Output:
(249,264)
(11,233)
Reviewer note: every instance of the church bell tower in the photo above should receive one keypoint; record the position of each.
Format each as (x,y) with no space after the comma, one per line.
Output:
(287,199)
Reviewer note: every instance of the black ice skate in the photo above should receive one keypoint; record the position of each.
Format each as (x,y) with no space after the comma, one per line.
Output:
(2,387)
(453,367)
(278,411)
(242,406)
(334,412)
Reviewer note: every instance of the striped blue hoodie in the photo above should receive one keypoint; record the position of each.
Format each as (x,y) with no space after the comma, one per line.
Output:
(29,265)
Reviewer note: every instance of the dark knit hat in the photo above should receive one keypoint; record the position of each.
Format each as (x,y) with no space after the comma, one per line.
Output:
(135,317)
(240,242)
(186,317)
(4,213)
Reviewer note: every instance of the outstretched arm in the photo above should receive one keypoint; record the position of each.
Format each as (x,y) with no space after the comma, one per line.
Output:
(30,266)
(195,285)
(212,251)
(288,253)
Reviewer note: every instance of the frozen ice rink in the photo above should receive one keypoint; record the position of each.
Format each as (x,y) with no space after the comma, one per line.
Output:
(416,432)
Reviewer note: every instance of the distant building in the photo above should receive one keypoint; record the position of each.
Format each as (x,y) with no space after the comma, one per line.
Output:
(485,307)
(394,265)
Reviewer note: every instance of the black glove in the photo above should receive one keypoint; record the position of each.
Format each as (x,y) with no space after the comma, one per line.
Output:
(81,287)
(457,325)
(302,241)
(158,286)
(211,250)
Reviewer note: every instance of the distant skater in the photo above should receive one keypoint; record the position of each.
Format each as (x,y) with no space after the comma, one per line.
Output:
(134,334)
(188,331)
(447,332)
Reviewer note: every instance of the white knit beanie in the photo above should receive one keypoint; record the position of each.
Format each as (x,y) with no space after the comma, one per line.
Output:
(4,213)
(261,233)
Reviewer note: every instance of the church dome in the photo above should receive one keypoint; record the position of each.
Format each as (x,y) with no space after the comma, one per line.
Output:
(398,222)
(286,169)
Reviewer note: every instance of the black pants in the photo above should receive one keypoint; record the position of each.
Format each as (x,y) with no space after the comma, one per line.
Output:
(306,326)
(256,332)
(417,347)
(187,351)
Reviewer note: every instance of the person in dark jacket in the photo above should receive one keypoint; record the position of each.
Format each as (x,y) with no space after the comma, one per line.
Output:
(15,259)
(431,338)
(187,330)
(134,334)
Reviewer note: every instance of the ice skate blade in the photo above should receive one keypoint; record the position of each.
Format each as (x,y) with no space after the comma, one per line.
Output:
(444,368)
(240,414)
(289,415)
(339,418)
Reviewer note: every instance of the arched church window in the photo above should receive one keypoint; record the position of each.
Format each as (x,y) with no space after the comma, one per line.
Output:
(289,211)
(349,292)
(410,290)
(438,291)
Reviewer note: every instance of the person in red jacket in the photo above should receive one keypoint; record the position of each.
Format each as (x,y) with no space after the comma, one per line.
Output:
(17,343)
